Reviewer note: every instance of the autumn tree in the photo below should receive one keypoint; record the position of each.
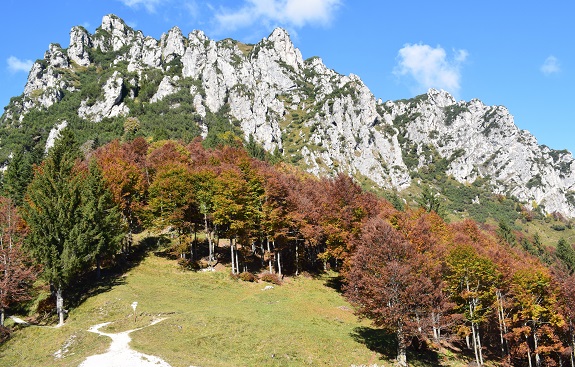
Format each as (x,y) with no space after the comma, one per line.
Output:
(472,280)
(124,169)
(230,203)
(16,271)
(172,201)
(387,272)
(536,315)
(567,301)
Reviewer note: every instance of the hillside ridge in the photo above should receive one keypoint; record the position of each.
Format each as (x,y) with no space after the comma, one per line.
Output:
(315,117)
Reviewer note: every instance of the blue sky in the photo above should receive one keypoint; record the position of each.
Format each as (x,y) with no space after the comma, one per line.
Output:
(517,54)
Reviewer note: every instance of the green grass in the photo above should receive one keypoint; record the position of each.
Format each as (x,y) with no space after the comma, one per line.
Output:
(211,320)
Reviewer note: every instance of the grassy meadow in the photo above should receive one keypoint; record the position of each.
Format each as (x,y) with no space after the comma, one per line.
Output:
(212,320)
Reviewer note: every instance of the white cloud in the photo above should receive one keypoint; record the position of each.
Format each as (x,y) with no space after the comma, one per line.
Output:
(430,68)
(16,65)
(192,9)
(550,66)
(296,13)
(150,5)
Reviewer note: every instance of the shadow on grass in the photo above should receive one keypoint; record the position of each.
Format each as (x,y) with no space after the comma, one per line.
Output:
(336,283)
(384,343)
(376,340)
(90,285)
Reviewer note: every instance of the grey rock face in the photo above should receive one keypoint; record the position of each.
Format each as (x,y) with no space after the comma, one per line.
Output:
(111,105)
(80,42)
(485,142)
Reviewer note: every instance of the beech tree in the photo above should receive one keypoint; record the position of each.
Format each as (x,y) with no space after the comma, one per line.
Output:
(230,215)
(471,280)
(16,271)
(387,272)
(172,200)
(535,315)
(567,299)
(125,173)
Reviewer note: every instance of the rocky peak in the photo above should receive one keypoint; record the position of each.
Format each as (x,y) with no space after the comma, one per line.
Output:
(114,25)
(113,34)
(440,98)
(285,49)
(80,42)
(56,57)
(172,44)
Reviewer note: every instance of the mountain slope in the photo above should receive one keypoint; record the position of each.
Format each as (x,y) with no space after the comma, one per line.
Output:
(119,82)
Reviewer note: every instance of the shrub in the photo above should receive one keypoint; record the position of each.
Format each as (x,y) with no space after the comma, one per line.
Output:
(4,334)
(246,276)
(271,278)
(188,264)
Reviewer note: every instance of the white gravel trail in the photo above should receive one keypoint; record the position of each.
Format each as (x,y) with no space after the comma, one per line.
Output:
(120,354)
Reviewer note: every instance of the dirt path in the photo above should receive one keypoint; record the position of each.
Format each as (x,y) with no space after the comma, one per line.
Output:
(120,354)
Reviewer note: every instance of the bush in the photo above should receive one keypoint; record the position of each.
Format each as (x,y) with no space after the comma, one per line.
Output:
(558,227)
(188,264)
(271,278)
(4,334)
(246,276)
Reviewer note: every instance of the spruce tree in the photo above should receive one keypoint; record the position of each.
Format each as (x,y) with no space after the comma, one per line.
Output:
(19,174)
(52,210)
(566,254)
(101,231)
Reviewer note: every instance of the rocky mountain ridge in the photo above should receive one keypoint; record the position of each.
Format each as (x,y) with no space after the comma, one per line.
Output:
(317,118)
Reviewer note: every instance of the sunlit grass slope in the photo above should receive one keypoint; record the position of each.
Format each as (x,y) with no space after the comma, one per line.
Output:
(210,320)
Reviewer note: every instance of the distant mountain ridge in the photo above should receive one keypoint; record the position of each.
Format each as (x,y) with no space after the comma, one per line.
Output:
(317,118)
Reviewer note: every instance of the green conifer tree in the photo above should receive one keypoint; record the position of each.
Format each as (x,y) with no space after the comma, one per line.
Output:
(52,210)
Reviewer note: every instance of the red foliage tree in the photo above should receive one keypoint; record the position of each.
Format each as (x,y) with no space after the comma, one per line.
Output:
(386,275)
(16,272)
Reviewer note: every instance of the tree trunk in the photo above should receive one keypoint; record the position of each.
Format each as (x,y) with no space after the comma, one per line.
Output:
(296,259)
(435,318)
(263,260)
(210,244)
(528,351)
(60,305)
(237,261)
(270,263)
(401,348)
(572,343)
(232,255)
(98,267)
(537,357)
(475,349)
(474,331)
(479,349)
(279,263)
(2,315)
